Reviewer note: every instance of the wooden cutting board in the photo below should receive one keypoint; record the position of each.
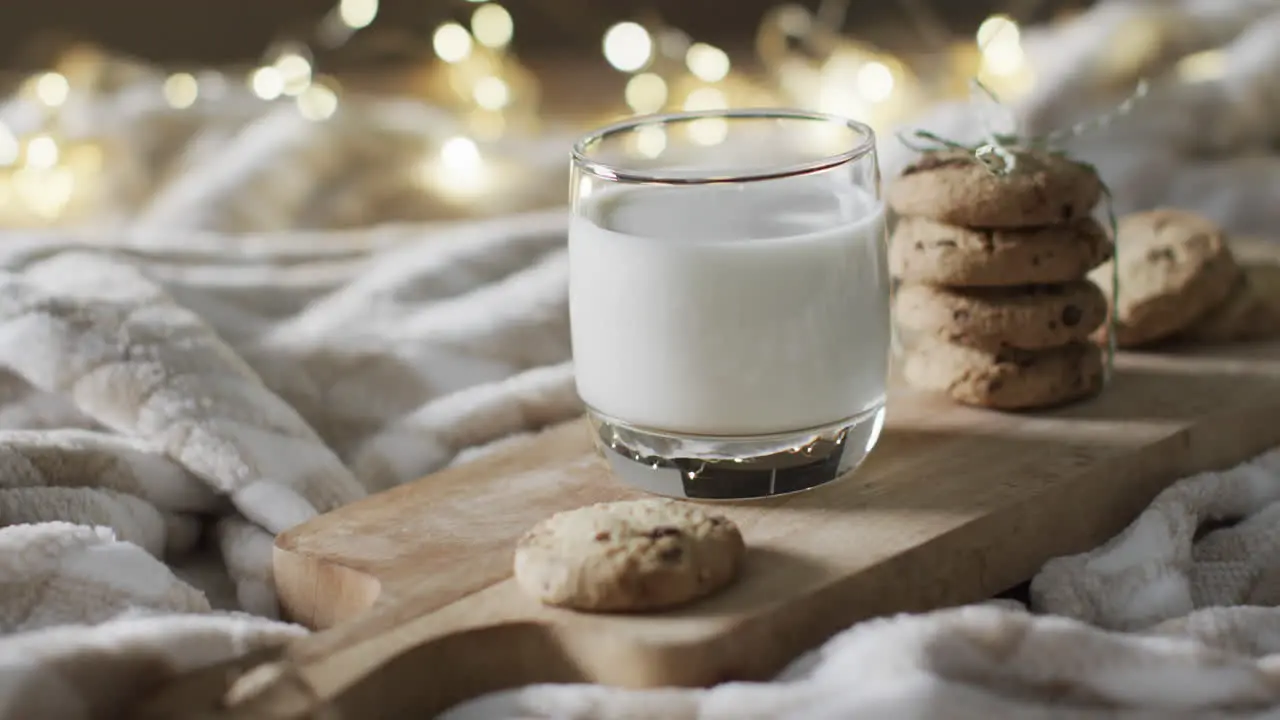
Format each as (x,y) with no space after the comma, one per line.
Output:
(955,505)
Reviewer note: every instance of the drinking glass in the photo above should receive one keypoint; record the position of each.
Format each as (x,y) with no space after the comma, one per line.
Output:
(729,299)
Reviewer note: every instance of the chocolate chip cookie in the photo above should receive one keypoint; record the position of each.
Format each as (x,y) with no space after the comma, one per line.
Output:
(953,188)
(1031,317)
(1251,312)
(926,251)
(1174,267)
(628,556)
(1009,379)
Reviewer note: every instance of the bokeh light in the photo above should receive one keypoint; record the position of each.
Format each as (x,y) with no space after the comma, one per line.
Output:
(451,42)
(181,90)
(492,26)
(628,47)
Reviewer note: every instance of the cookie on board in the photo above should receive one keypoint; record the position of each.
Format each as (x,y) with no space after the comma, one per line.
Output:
(926,251)
(1174,268)
(1032,317)
(953,188)
(628,556)
(1009,379)
(1251,312)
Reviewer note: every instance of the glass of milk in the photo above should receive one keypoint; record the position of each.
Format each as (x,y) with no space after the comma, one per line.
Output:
(729,298)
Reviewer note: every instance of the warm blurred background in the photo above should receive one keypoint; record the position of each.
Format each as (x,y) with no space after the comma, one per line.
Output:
(242,115)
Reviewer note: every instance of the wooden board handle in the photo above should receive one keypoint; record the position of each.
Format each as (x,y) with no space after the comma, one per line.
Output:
(460,665)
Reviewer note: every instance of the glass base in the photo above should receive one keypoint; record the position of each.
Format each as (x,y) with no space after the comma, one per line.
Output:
(697,467)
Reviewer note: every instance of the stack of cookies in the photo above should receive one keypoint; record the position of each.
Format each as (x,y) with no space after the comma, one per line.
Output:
(994,305)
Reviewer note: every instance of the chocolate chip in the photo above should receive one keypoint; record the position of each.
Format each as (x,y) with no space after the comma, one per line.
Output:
(671,555)
(960,315)
(1035,261)
(995,385)
(1071,315)
(946,243)
(1067,210)
(1053,324)
(663,531)
(603,536)
(1160,254)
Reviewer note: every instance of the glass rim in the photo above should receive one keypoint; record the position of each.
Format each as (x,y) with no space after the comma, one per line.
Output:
(614,173)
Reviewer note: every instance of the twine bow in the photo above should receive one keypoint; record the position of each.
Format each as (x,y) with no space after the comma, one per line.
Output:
(998,152)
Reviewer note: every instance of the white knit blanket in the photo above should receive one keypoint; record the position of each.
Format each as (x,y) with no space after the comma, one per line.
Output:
(186,373)
(166,410)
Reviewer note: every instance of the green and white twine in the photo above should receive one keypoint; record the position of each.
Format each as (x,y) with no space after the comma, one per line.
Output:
(998,153)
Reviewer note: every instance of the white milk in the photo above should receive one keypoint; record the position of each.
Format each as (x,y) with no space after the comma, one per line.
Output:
(730,309)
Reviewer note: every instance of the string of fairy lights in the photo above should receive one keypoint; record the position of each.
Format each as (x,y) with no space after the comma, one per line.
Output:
(667,69)
(806,60)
